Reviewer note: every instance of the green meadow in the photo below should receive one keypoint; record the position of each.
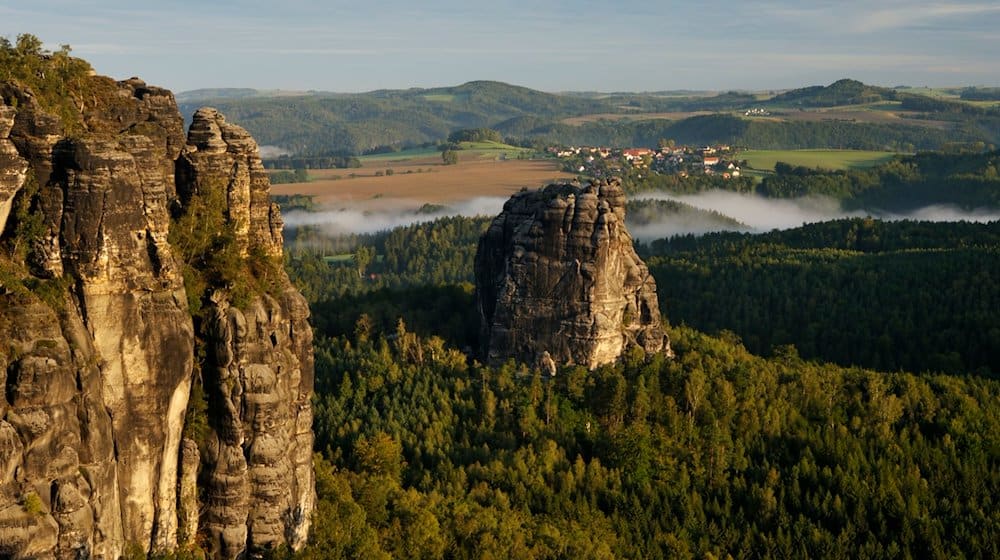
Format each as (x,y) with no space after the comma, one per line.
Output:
(479,149)
(826,159)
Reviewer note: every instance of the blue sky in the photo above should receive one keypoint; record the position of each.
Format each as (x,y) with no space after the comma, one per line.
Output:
(553,45)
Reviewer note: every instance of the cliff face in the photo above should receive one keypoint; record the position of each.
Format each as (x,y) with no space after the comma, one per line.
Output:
(100,354)
(558,282)
(257,462)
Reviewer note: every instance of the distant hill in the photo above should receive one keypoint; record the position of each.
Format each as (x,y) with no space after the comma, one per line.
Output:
(980,94)
(312,123)
(216,93)
(357,123)
(841,92)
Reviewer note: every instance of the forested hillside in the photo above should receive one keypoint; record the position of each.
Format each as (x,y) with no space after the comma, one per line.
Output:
(317,123)
(351,124)
(841,92)
(426,453)
(711,454)
(967,180)
(759,134)
(915,296)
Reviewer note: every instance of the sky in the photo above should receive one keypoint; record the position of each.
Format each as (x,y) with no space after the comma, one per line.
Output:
(553,45)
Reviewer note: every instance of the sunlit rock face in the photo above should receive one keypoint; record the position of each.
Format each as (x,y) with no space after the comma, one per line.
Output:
(558,281)
(99,362)
(257,463)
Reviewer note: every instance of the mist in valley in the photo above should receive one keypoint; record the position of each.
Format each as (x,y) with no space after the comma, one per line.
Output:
(719,211)
(347,220)
(759,214)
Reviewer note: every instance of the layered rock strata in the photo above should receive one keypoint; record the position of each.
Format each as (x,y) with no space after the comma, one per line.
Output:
(558,281)
(257,463)
(99,353)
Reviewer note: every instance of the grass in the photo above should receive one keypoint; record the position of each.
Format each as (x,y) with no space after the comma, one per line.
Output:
(492,149)
(412,153)
(826,159)
(440,97)
(929,92)
(986,104)
(477,149)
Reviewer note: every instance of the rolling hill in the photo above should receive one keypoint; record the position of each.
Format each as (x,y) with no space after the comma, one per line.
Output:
(841,92)
(845,114)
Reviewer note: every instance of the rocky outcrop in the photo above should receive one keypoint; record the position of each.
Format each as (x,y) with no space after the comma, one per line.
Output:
(99,358)
(224,156)
(558,281)
(257,462)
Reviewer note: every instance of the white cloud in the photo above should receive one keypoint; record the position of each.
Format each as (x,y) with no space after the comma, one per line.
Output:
(910,14)
(866,18)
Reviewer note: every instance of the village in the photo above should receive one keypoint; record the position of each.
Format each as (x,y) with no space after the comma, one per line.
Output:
(667,159)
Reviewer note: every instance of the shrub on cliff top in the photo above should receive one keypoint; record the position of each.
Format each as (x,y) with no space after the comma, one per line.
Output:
(55,78)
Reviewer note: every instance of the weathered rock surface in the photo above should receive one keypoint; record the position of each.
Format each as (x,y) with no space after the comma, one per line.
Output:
(13,168)
(258,376)
(558,281)
(98,376)
(222,155)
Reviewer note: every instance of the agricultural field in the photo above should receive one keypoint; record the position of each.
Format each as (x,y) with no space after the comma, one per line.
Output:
(477,150)
(419,180)
(826,159)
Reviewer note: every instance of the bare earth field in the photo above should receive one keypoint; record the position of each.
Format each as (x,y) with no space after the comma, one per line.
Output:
(435,183)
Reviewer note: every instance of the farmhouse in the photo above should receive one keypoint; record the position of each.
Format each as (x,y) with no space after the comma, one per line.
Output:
(632,154)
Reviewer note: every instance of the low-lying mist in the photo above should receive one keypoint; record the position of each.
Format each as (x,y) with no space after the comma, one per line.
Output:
(753,213)
(760,214)
(349,220)
(271,152)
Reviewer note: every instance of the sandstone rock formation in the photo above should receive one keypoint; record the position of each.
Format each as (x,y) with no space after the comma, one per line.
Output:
(99,354)
(258,460)
(558,281)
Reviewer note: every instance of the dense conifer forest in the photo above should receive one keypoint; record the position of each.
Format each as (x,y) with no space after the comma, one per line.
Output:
(423,452)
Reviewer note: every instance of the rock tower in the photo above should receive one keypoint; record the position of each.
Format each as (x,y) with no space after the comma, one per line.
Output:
(558,281)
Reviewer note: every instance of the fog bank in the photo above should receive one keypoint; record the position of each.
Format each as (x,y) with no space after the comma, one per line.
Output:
(754,212)
(270,152)
(349,220)
(764,214)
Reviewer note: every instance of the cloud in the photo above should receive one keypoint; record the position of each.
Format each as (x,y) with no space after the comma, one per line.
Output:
(863,18)
(910,15)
